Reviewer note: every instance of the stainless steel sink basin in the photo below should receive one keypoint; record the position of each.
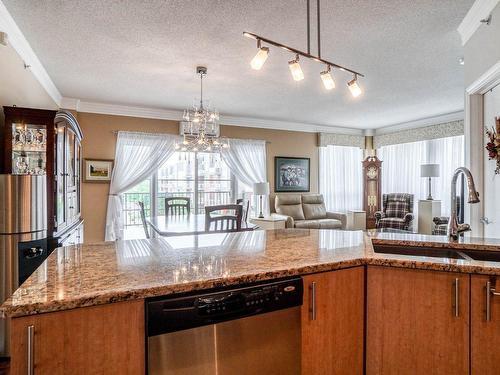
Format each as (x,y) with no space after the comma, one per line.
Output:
(418,251)
(484,255)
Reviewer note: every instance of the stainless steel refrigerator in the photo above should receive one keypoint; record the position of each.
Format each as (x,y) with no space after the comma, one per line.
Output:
(23,235)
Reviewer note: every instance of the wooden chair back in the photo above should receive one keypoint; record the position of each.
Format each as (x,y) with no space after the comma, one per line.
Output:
(245,203)
(143,219)
(223,222)
(177,206)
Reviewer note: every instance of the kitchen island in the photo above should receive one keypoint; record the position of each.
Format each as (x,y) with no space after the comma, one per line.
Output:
(92,296)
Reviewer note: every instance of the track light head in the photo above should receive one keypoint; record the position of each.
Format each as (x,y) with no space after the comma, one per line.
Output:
(295,69)
(327,78)
(354,87)
(260,58)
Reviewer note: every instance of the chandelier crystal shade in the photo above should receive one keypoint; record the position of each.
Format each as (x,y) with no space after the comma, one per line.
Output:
(200,129)
(294,66)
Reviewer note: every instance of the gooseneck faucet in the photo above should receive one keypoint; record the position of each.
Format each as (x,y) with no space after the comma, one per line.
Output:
(454,228)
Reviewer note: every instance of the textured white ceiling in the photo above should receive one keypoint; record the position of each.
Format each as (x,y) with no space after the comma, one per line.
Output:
(145,52)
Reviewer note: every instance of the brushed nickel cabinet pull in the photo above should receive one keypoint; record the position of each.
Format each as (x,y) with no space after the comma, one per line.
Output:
(31,350)
(488,301)
(490,292)
(312,303)
(457,293)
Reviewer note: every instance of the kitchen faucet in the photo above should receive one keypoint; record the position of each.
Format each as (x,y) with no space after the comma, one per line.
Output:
(454,228)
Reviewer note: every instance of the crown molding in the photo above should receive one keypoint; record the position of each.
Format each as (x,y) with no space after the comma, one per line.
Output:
(175,115)
(23,48)
(472,21)
(421,123)
(489,80)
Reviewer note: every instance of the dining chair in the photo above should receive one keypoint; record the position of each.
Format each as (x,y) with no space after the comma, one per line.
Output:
(177,206)
(245,203)
(223,222)
(143,218)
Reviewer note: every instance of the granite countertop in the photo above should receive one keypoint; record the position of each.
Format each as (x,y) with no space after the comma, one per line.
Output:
(87,275)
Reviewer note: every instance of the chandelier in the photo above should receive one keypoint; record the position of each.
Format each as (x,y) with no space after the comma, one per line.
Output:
(294,66)
(200,128)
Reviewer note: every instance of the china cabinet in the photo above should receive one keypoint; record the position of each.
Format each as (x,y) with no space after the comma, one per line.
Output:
(45,142)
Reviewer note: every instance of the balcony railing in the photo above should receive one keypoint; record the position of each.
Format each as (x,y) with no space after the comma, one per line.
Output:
(131,209)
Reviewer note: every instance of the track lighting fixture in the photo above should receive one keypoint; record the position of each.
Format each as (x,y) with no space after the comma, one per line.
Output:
(354,87)
(297,74)
(260,58)
(327,78)
(295,69)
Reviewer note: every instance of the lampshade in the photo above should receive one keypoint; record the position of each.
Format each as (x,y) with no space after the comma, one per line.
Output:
(429,170)
(261,188)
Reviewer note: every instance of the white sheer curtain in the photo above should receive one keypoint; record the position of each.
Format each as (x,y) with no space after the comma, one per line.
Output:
(401,167)
(137,156)
(247,160)
(340,177)
(449,153)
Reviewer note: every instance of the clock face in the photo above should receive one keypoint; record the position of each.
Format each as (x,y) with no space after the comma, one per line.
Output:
(372,172)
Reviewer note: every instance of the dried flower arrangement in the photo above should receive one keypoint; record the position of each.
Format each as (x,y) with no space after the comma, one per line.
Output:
(493,144)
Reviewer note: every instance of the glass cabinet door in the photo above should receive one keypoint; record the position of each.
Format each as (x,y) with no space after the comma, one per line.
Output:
(29,146)
(60,176)
(71,160)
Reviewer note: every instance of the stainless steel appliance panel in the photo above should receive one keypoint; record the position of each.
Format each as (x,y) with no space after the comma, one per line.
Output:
(23,203)
(268,344)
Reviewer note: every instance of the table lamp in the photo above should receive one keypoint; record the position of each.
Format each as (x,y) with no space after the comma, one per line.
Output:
(429,170)
(261,189)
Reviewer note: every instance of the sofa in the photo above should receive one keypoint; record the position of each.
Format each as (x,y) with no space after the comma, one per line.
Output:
(308,211)
(397,212)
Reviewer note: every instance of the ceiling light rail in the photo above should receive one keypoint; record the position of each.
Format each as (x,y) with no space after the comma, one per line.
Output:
(295,69)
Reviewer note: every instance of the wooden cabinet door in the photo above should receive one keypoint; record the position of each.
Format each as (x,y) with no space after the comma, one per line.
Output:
(485,338)
(333,322)
(108,339)
(412,322)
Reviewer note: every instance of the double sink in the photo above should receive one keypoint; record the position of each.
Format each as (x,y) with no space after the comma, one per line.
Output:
(438,252)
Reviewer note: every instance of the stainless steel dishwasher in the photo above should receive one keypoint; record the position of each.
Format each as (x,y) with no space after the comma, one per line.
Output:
(253,329)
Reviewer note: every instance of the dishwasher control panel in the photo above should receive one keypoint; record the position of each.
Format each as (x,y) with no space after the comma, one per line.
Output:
(173,314)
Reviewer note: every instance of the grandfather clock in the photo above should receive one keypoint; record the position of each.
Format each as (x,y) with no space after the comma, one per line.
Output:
(372,189)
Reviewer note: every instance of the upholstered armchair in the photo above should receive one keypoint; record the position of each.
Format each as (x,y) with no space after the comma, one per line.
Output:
(397,212)
(441,222)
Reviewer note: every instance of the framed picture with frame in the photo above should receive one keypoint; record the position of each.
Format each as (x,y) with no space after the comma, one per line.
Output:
(292,174)
(97,170)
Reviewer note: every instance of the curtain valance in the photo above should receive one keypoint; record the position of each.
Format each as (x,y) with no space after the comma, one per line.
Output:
(333,139)
(444,130)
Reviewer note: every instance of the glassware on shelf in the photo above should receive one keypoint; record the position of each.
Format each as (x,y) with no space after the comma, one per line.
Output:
(22,164)
(28,138)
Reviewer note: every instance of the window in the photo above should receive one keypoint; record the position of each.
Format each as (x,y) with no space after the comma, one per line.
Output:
(340,179)
(203,177)
(401,167)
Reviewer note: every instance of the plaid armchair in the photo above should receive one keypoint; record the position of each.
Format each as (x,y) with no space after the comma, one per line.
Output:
(441,222)
(397,212)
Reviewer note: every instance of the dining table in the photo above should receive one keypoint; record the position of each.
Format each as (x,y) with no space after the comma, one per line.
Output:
(183,225)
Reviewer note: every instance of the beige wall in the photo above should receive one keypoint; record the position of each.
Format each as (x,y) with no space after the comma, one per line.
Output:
(99,142)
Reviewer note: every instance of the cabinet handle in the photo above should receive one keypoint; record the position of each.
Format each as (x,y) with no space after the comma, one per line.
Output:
(457,293)
(489,293)
(31,350)
(312,303)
